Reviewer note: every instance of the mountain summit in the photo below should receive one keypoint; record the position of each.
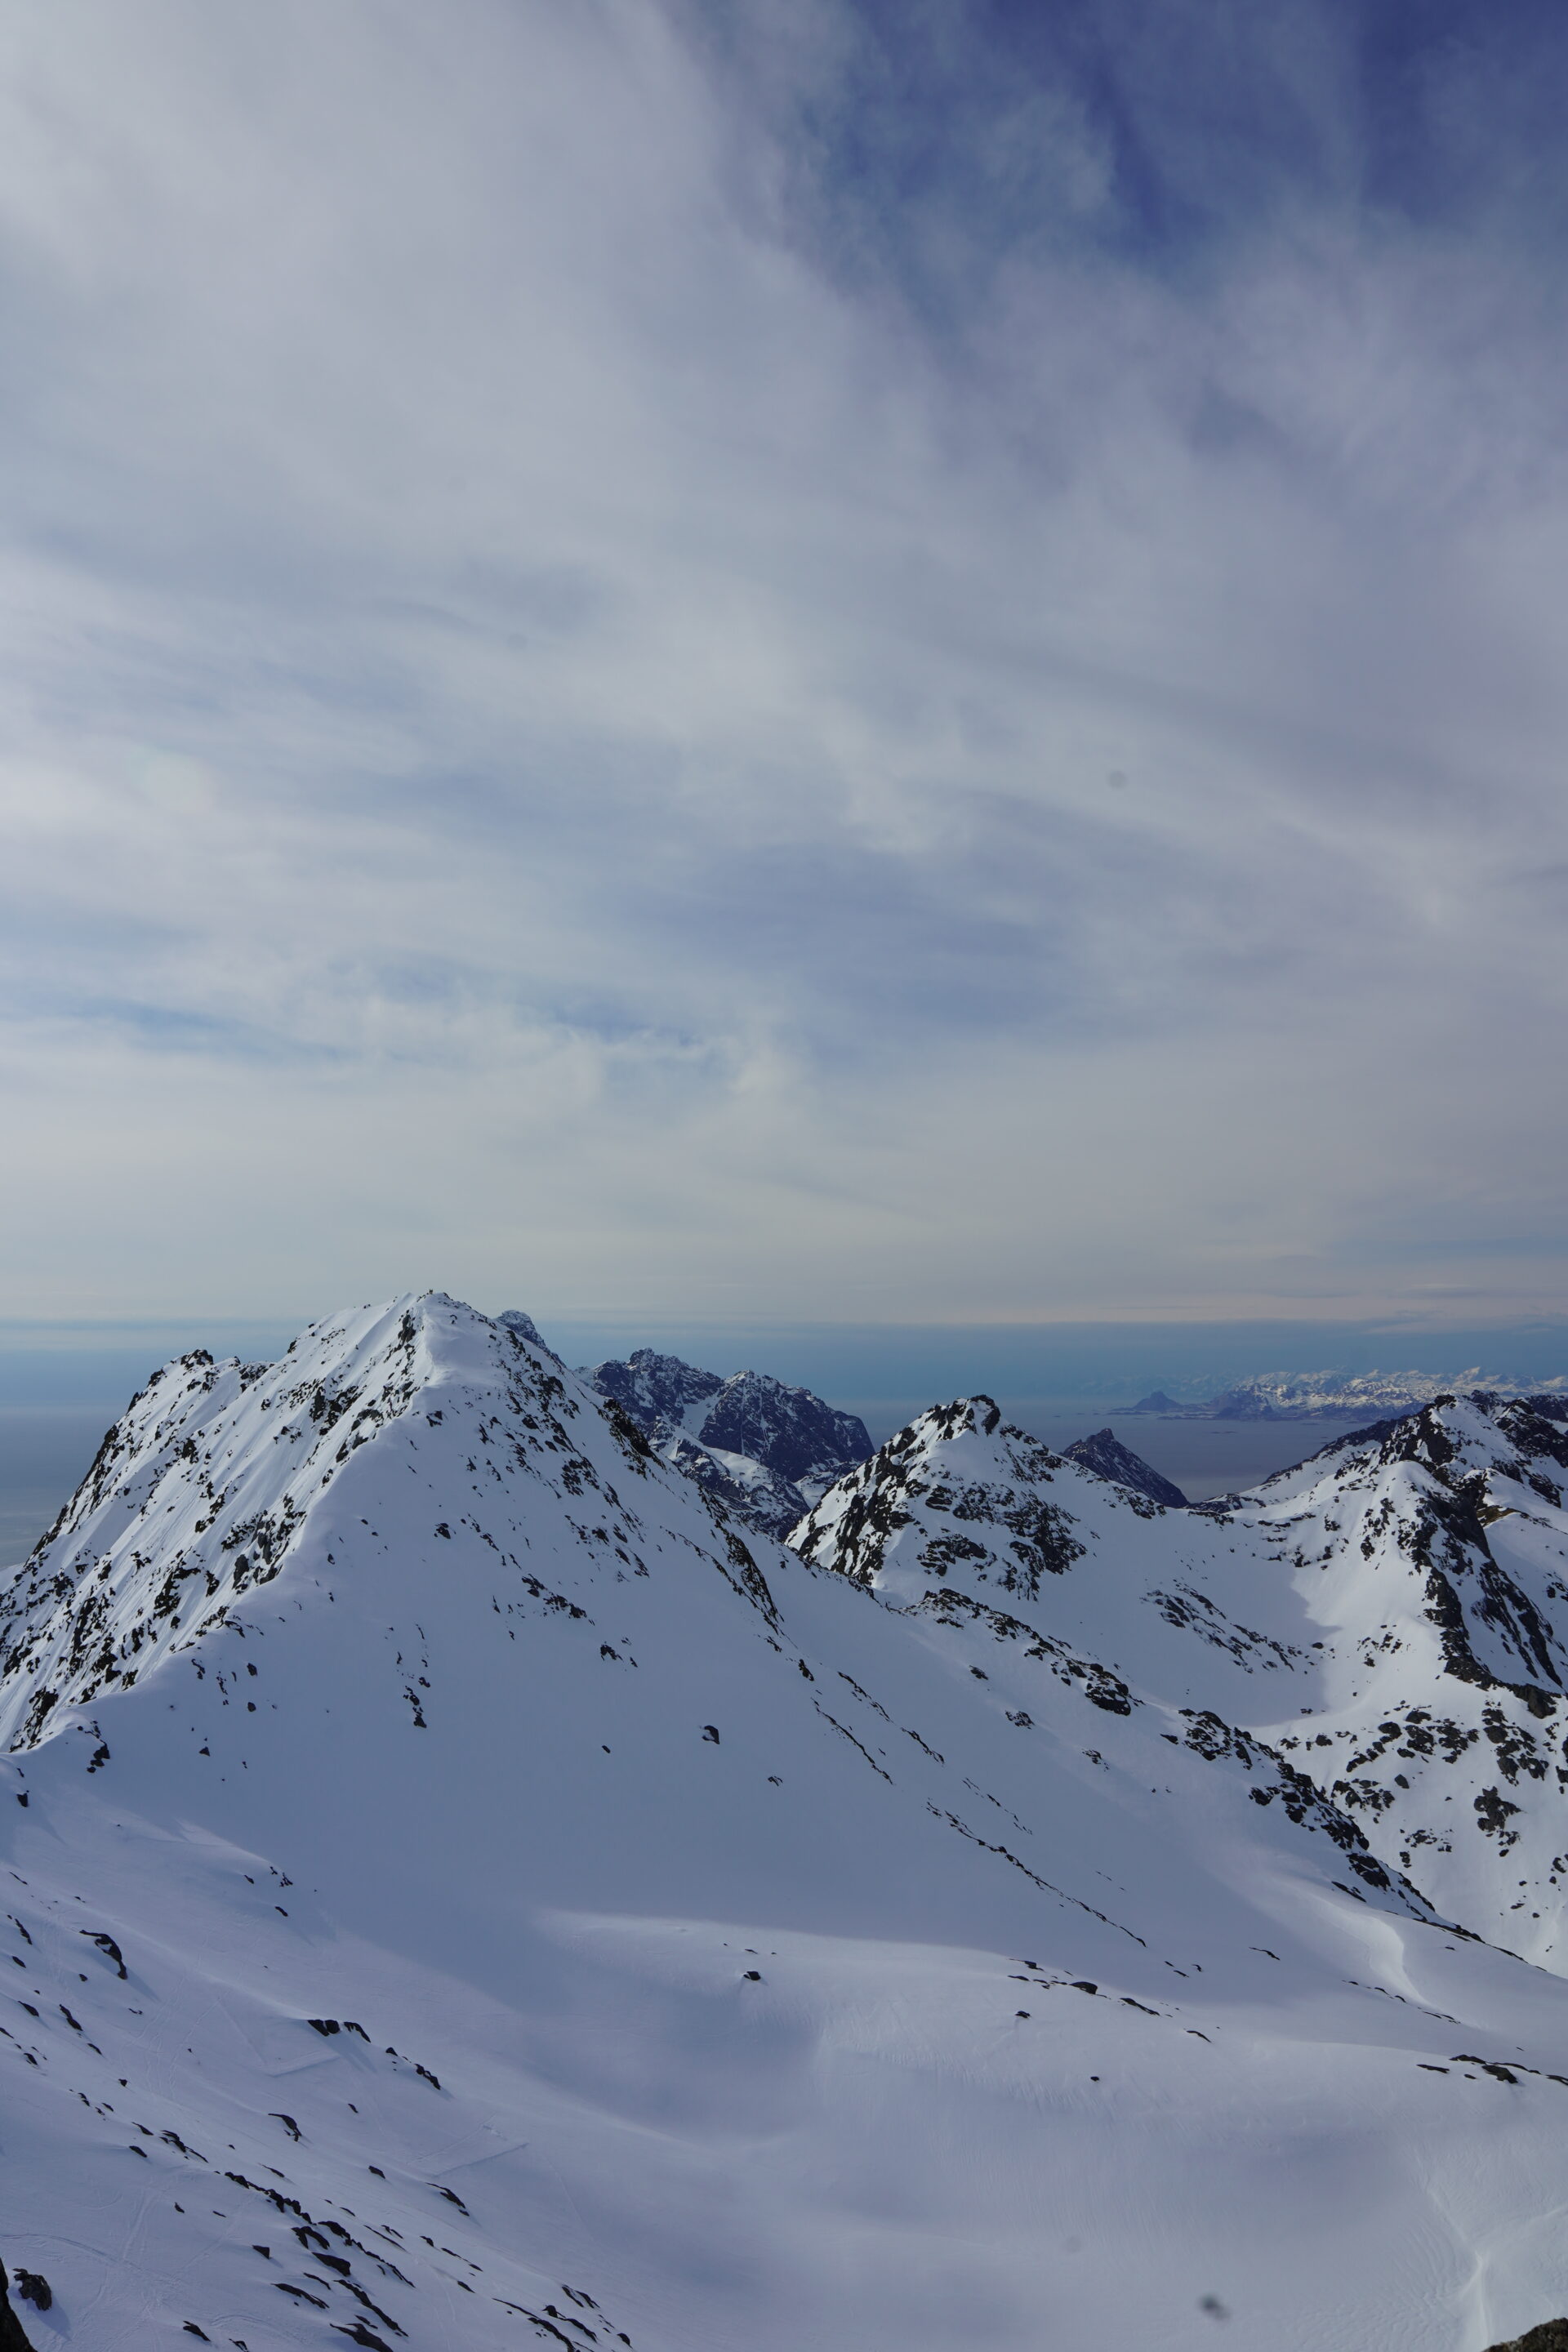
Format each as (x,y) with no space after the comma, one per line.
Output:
(468,1887)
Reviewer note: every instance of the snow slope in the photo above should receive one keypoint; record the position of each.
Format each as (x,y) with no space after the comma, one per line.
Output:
(465,1890)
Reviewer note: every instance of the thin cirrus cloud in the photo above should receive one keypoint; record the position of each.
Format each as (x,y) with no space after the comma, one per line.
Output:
(815,661)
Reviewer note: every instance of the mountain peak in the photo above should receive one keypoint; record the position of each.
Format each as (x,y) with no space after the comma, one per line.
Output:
(1104,1453)
(218,1473)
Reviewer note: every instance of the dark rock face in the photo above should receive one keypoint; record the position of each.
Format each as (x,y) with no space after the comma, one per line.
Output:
(790,1444)
(1029,1536)
(787,1430)
(1551,2335)
(1105,1454)
(654,1389)
(11,2337)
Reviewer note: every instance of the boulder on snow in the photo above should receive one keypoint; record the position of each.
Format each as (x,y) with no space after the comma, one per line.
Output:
(11,2337)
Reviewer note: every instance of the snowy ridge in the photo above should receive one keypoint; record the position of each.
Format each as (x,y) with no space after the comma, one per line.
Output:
(191,1478)
(203,1489)
(1391,1616)
(525,1906)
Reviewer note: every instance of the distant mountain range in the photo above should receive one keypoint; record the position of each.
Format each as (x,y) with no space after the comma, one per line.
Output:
(1333,1396)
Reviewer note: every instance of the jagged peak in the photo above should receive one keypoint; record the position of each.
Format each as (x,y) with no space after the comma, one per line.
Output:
(960,1463)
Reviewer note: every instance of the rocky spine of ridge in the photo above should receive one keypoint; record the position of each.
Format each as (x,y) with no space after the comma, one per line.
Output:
(763,1448)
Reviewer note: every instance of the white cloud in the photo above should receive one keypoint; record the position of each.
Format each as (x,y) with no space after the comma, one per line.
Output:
(564,731)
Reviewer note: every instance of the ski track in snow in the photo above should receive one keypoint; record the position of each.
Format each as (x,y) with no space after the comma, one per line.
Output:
(448,1849)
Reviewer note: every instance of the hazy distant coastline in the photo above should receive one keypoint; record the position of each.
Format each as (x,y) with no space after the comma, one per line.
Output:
(1330,1396)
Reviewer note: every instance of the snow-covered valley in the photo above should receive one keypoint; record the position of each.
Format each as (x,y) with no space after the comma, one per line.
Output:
(449,1852)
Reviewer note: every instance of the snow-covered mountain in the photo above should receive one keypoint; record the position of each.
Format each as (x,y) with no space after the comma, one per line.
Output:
(764,1449)
(466,1890)
(1333,1396)
(1389,1620)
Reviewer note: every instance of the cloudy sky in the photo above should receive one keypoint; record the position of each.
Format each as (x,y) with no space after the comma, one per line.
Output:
(818,659)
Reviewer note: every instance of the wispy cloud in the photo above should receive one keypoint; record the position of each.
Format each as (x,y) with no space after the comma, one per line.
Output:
(812,659)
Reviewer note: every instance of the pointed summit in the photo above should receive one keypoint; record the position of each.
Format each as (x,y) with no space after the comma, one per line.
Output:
(1105,1454)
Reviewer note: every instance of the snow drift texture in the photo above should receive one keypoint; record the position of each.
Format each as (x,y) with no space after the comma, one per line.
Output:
(467,1887)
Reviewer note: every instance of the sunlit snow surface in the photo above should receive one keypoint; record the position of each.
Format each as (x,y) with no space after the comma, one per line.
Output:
(1009,1927)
